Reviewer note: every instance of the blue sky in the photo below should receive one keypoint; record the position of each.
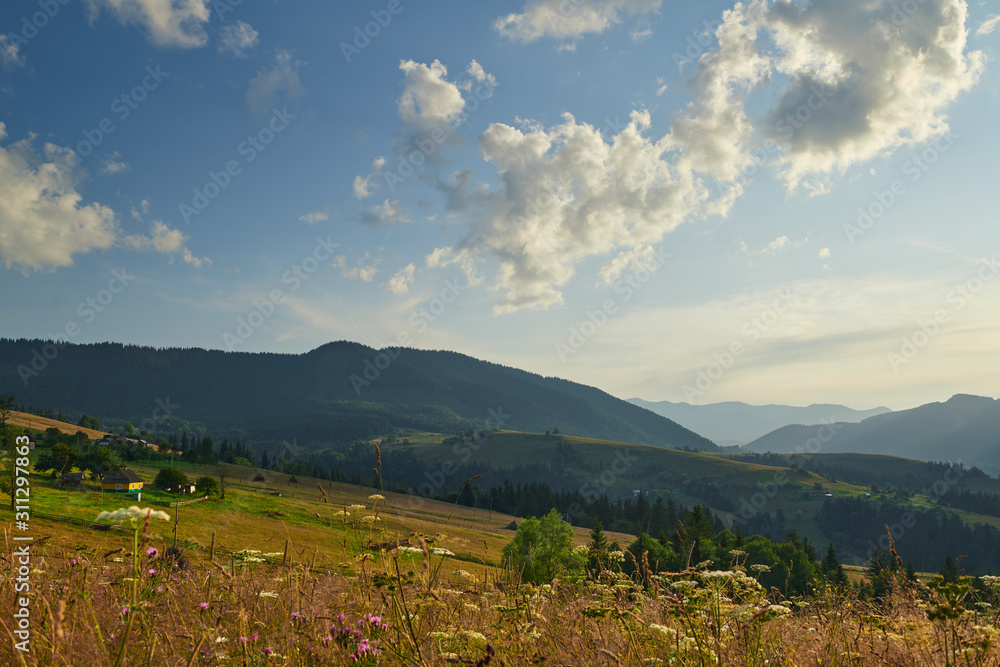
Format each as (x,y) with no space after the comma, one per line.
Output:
(772,202)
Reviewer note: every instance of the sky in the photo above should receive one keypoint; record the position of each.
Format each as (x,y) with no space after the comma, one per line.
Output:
(772,202)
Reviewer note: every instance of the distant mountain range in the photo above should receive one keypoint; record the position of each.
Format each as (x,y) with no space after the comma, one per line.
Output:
(735,423)
(337,393)
(964,428)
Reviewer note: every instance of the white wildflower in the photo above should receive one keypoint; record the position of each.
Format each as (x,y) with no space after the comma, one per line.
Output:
(663,630)
(718,574)
(376,496)
(438,551)
(132,514)
(778,609)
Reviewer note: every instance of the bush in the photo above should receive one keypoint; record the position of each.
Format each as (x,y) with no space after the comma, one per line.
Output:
(659,556)
(170,478)
(207,485)
(542,549)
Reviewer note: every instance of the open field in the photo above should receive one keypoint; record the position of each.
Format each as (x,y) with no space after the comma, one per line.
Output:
(25,420)
(253,516)
(418,586)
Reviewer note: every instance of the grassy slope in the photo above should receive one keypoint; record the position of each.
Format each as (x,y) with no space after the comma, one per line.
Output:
(252,517)
(25,420)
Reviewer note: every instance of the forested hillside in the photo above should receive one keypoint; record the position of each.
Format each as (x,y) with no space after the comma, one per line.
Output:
(338,393)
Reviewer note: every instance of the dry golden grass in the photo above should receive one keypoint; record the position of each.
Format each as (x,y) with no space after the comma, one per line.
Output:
(25,420)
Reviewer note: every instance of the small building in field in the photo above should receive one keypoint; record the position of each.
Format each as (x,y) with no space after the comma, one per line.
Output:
(69,478)
(123,480)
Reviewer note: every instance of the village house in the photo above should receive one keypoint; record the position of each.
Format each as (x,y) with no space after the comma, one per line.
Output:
(71,478)
(123,481)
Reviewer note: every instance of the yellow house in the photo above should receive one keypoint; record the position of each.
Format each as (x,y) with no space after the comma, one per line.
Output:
(123,481)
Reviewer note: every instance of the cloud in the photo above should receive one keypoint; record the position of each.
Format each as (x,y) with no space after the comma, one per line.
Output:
(400,283)
(276,84)
(196,262)
(464,258)
(863,79)
(314,217)
(476,71)
(362,185)
(639,35)
(639,259)
(164,240)
(43,222)
(10,54)
(178,23)
(715,133)
(113,164)
(569,20)
(161,239)
(238,38)
(428,99)
(824,253)
(777,244)
(387,213)
(774,247)
(989,25)
(566,192)
(359,270)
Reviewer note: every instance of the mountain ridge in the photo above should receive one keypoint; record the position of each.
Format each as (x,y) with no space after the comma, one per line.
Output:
(962,428)
(338,392)
(738,423)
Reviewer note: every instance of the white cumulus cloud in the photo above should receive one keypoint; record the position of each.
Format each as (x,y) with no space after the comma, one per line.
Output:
(429,98)
(43,220)
(314,217)
(363,186)
(238,38)
(848,80)
(561,19)
(386,213)
(10,53)
(178,23)
(401,281)
(365,272)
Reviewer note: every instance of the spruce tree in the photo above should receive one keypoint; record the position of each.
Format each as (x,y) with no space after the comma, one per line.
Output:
(949,571)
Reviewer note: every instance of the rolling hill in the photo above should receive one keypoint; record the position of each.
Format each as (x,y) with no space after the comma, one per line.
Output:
(337,393)
(964,428)
(735,423)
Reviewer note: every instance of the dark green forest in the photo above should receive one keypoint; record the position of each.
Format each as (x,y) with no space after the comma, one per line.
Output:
(336,394)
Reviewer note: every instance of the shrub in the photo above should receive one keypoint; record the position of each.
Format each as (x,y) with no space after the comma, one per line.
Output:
(207,485)
(542,549)
(170,478)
